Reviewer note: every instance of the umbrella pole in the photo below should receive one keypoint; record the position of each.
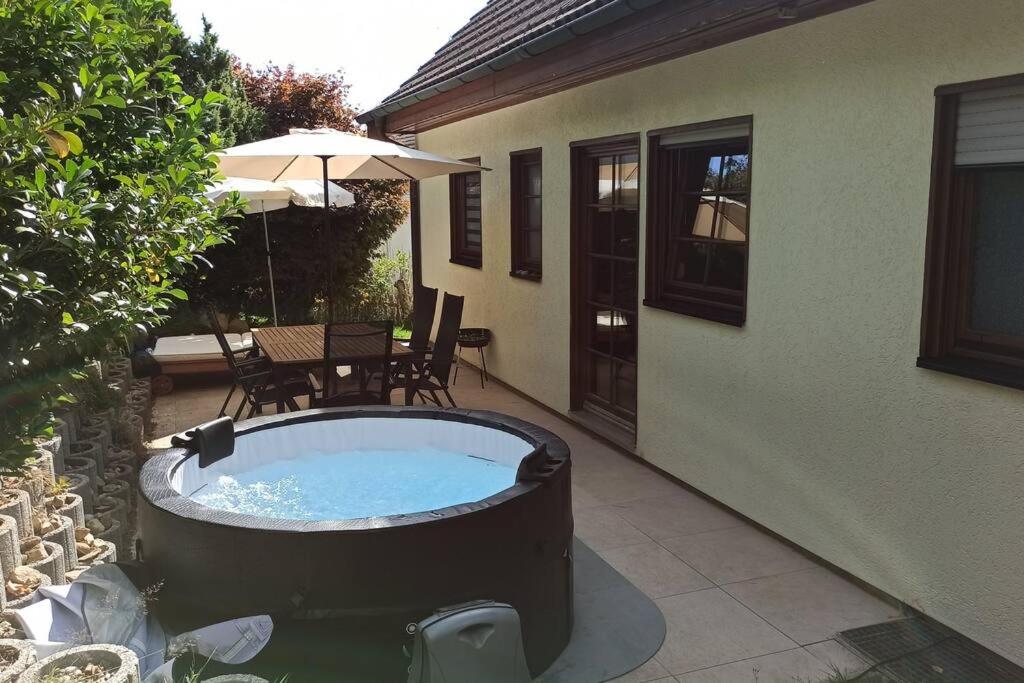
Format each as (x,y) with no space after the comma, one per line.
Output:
(329,246)
(270,267)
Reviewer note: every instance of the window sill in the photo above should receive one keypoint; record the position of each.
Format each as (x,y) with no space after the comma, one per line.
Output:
(703,311)
(469,263)
(983,371)
(524,275)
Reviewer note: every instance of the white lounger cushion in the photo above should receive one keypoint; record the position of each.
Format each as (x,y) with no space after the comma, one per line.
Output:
(197,346)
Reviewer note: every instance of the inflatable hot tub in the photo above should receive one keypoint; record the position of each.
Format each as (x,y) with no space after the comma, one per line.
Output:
(368,516)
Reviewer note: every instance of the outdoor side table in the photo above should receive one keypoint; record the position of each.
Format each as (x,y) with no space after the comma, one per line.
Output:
(473,338)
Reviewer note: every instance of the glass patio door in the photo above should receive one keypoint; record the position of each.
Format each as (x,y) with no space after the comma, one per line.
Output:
(607,214)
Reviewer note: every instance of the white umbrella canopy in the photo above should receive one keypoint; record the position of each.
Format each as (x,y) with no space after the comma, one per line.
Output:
(300,154)
(266,195)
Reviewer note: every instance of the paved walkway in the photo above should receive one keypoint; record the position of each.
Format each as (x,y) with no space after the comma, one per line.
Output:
(740,606)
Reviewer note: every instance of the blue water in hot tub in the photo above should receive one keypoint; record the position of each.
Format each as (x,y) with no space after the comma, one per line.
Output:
(357,483)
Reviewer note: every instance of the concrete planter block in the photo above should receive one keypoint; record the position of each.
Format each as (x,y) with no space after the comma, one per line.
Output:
(108,555)
(13,604)
(10,546)
(68,414)
(81,486)
(109,507)
(120,472)
(44,464)
(83,467)
(9,627)
(65,538)
(57,446)
(17,504)
(100,435)
(120,664)
(89,448)
(131,431)
(17,655)
(96,369)
(52,565)
(118,454)
(122,490)
(68,505)
(34,487)
(115,534)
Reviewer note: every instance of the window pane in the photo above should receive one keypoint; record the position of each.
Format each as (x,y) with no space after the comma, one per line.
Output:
(688,261)
(600,231)
(625,336)
(629,180)
(602,328)
(626,285)
(605,180)
(625,386)
(532,213)
(698,216)
(472,184)
(601,280)
(997,305)
(625,232)
(734,174)
(533,241)
(600,377)
(532,184)
(727,267)
(732,219)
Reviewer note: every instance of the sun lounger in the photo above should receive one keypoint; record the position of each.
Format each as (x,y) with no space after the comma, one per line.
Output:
(196,353)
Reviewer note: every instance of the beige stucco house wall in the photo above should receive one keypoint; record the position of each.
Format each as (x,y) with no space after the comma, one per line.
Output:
(812,419)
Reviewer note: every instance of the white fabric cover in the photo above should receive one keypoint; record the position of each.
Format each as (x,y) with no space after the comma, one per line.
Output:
(198,346)
(335,436)
(297,156)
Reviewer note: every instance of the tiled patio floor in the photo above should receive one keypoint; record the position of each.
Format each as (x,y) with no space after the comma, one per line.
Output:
(739,605)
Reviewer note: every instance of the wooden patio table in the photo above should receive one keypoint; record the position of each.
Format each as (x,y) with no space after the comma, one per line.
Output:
(301,347)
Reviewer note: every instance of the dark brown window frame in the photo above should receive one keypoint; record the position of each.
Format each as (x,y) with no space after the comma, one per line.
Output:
(657,236)
(461,253)
(947,342)
(522,266)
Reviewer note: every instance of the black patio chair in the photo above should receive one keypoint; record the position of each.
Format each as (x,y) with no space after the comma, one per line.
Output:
(430,375)
(424,306)
(254,375)
(367,383)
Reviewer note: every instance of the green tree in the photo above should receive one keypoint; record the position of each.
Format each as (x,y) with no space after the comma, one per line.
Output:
(204,66)
(103,162)
(237,280)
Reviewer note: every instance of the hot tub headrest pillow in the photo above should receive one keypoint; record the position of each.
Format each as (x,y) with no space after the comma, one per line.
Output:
(213,440)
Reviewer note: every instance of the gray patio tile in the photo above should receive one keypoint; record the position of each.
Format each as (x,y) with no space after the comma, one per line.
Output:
(650,671)
(791,666)
(654,570)
(707,628)
(811,605)
(618,484)
(837,657)
(678,513)
(736,554)
(601,529)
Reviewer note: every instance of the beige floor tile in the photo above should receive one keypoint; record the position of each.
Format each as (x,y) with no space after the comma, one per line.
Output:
(654,570)
(811,605)
(837,657)
(707,628)
(736,554)
(792,666)
(677,514)
(601,529)
(624,482)
(650,671)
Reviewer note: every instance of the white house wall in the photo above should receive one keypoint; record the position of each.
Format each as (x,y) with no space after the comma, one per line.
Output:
(812,419)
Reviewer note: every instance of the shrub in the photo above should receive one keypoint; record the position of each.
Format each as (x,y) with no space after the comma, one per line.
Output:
(103,163)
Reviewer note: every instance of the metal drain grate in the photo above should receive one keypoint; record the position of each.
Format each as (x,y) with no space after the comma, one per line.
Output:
(916,651)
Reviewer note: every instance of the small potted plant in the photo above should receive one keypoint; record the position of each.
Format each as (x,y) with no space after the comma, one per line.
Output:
(85,664)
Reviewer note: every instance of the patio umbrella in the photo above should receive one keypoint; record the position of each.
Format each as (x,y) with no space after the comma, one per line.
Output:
(326,153)
(264,195)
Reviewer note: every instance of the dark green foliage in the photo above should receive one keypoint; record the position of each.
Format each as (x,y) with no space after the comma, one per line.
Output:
(103,164)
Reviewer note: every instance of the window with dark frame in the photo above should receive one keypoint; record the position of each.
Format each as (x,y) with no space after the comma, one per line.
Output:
(466,225)
(526,188)
(697,226)
(973,314)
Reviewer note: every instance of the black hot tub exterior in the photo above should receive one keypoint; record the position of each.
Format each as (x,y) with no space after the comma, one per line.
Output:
(512,547)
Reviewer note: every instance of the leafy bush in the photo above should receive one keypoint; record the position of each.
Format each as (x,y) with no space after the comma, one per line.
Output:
(103,162)
(384,293)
